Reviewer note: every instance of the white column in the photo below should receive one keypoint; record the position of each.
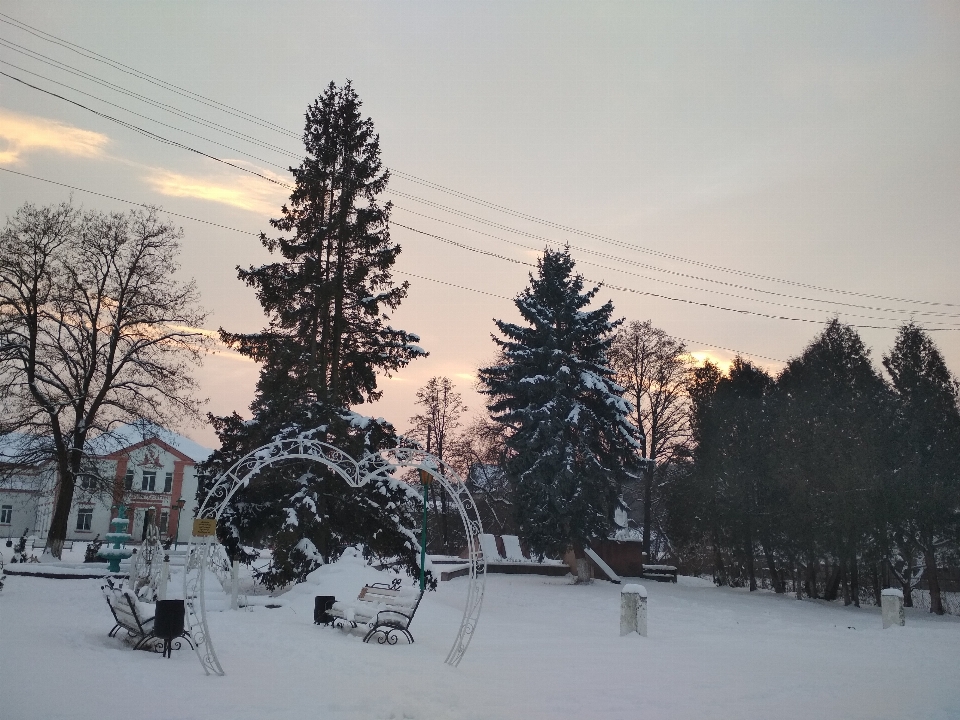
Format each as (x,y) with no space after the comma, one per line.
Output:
(164,576)
(235,585)
(891,607)
(633,610)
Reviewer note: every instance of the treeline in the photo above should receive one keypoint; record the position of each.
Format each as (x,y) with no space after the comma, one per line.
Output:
(829,480)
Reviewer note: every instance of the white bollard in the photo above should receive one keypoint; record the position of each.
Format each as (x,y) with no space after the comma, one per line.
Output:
(235,585)
(891,607)
(164,576)
(633,610)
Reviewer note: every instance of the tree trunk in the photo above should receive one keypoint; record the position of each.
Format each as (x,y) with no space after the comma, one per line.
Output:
(719,570)
(583,565)
(845,582)
(907,581)
(66,481)
(779,582)
(903,580)
(933,580)
(830,592)
(443,519)
(751,570)
(876,584)
(647,508)
(812,576)
(855,579)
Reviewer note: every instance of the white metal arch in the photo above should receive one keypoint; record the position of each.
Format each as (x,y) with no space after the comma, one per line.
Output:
(356,474)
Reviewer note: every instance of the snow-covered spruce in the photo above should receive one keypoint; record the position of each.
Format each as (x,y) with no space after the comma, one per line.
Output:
(571,442)
(307,513)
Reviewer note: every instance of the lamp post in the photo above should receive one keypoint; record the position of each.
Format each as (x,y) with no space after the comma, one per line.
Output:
(176,538)
(425,479)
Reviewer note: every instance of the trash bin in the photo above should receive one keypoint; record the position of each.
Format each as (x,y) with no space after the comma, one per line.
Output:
(168,623)
(321,604)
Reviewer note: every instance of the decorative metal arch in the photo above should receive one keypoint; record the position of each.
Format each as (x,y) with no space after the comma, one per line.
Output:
(356,474)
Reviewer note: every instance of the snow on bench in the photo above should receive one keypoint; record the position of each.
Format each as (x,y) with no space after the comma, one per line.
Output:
(385,608)
(488,544)
(135,617)
(511,546)
(130,614)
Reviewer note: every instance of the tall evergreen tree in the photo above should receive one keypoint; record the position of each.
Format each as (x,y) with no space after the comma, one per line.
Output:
(828,444)
(570,442)
(927,442)
(327,339)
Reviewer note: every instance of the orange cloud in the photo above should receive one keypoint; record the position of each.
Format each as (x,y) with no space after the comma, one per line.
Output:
(241,192)
(21,134)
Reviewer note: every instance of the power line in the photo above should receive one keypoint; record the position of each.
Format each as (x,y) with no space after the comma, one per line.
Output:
(148,133)
(154,136)
(526,234)
(129,202)
(504,297)
(39,57)
(147,117)
(90,54)
(654,268)
(247,232)
(634,291)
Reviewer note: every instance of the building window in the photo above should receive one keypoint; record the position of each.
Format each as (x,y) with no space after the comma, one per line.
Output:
(164,519)
(6,514)
(168,483)
(149,480)
(86,482)
(84,518)
(128,480)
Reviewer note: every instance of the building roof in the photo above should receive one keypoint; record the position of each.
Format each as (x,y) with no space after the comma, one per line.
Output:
(14,445)
(125,436)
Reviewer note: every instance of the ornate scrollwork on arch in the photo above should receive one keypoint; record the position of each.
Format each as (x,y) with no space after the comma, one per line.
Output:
(373,466)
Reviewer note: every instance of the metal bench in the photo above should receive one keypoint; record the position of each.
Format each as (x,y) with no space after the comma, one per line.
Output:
(385,608)
(660,573)
(41,544)
(123,606)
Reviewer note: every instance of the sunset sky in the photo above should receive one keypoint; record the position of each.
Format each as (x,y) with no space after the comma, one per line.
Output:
(738,173)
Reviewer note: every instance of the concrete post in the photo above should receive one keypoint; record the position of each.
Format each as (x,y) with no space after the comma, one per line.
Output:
(891,607)
(164,576)
(633,610)
(235,585)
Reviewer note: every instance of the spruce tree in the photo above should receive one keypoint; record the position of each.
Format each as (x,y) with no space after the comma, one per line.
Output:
(570,441)
(926,483)
(327,339)
(828,448)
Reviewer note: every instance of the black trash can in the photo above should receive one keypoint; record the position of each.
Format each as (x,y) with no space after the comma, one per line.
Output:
(321,604)
(168,622)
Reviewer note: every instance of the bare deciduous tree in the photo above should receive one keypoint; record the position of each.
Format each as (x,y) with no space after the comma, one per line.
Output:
(436,425)
(94,331)
(654,370)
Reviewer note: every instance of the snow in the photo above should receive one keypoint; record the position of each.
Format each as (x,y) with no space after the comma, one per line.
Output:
(892,592)
(488,543)
(126,435)
(633,589)
(543,648)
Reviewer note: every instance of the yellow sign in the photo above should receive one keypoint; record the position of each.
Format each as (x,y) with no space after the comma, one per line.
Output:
(204,527)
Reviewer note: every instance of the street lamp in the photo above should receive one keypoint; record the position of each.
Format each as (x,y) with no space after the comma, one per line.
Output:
(176,538)
(425,479)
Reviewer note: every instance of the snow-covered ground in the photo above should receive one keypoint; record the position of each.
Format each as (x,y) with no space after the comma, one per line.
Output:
(544,648)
